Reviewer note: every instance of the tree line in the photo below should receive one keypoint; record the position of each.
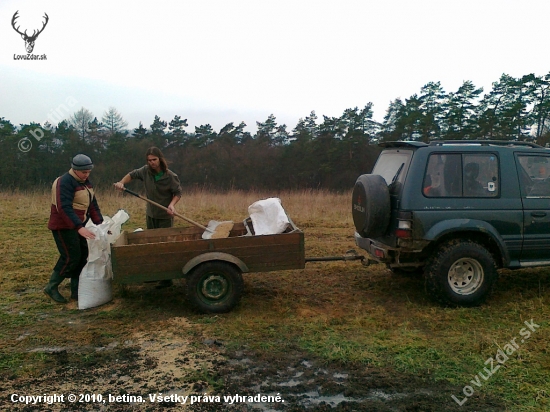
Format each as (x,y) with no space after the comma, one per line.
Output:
(324,153)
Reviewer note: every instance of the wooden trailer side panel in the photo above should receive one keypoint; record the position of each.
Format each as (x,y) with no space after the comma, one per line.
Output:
(142,258)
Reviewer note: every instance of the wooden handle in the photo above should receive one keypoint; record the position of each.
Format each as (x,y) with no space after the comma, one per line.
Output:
(165,208)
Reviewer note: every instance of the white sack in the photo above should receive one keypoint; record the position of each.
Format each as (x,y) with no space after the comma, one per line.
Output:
(268,216)
(94,292)
(95,288)
(118,220)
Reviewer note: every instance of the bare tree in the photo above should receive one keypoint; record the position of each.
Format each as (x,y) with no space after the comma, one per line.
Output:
(113,121)
(80,120)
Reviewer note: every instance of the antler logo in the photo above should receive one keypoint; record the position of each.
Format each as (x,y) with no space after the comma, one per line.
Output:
(29,40)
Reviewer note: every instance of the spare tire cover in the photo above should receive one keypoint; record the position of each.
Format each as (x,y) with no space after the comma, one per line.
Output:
(371,206)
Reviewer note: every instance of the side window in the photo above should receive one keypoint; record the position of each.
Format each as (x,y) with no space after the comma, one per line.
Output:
(534,172)
(443,177)
(480,175)
(462,175)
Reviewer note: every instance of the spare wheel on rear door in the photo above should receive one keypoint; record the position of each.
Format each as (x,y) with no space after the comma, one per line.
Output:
(371,206)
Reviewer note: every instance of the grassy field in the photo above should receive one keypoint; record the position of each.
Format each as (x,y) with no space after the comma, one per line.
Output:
(338,312)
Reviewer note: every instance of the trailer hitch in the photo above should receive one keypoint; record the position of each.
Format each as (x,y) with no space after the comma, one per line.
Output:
(349,255)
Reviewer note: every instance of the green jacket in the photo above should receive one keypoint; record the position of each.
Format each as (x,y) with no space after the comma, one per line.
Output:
(161,191)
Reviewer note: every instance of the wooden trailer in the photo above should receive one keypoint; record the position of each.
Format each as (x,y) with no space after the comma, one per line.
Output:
(213,267)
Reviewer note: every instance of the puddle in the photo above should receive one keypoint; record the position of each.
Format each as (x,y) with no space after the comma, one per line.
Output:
(378,394)
(49,349)
(110,346)
(239,361)
(289,383)
(23,336)
(314,398)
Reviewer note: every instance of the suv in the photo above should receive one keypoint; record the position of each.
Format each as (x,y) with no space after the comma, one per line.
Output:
(457,211)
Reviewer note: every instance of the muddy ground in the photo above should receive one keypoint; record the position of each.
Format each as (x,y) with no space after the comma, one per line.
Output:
(149,342)
(168,362)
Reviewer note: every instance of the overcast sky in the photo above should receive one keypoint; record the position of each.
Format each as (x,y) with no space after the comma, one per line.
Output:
(221,61)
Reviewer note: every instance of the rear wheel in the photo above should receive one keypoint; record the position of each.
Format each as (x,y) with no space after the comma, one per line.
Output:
(461,273)
(214,287)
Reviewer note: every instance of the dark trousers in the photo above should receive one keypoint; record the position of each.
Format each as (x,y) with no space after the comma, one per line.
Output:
(153,223)
(73,253)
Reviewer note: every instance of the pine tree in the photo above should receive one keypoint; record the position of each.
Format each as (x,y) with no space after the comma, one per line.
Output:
(158,135)
(460,112)
(140,133)
(178,135)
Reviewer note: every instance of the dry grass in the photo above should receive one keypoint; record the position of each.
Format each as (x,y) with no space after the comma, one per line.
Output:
(337,311)
(308,207)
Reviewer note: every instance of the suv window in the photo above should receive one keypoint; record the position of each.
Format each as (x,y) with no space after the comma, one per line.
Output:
(390,162)
(462,175)
(533,175)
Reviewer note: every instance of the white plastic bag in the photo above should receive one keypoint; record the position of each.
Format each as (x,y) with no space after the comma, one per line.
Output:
(268,216)
(95,288)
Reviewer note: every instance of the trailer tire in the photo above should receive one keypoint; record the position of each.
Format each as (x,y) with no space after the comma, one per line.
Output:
(371,206)
(214,287)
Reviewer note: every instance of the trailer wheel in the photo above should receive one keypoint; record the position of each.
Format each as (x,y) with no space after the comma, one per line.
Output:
(214,287)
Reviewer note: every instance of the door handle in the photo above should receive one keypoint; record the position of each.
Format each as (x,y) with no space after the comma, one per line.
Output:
(538,214)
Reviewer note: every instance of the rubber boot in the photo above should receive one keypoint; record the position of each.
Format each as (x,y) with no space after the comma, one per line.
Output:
(74,288)
(51,288)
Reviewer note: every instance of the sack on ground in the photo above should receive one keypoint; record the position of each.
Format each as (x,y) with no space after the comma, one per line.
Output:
(95,287)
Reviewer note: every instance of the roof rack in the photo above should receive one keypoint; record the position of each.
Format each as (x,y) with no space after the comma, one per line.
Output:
(485,143)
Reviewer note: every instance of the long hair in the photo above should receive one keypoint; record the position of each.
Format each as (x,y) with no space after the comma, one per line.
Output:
(155,151)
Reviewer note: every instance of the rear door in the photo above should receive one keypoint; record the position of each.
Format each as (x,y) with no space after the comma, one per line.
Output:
(534,173)
(393,166)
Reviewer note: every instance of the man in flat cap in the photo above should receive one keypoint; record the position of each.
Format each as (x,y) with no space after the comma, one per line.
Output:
(73,204)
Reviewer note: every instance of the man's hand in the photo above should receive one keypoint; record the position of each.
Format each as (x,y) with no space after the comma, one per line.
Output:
(171,210)
(119,185)
(85,233)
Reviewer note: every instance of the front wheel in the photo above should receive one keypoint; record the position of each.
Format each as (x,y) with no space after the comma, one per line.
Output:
(461,273)
(214,287)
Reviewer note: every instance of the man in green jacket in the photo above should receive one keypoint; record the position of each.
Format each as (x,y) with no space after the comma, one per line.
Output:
(162,186)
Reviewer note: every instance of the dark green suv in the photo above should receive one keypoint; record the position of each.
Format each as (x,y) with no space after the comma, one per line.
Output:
(457,211)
